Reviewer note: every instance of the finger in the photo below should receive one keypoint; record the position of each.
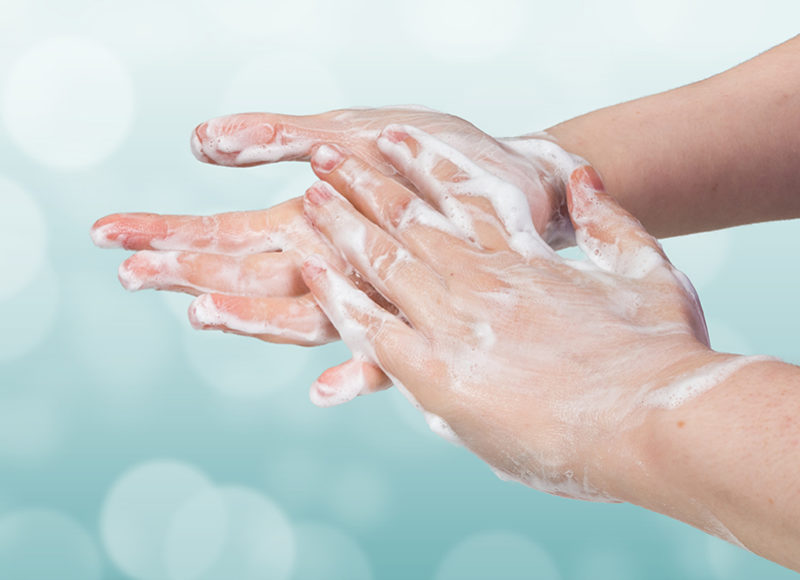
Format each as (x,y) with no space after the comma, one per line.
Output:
(378,257)
(483,206)
(610,237)
(280,320)
(266,274)
(225,233)
(385,201)
(371,333)
(255,138)
(346,381)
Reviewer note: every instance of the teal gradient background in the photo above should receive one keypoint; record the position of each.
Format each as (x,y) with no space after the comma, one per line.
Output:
(111,406)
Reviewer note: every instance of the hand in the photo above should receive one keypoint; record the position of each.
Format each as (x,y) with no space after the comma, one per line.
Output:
(546,368)
(244,266)
(534,164)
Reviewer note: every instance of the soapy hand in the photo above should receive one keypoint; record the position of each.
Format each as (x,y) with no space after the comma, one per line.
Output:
(544,367)
(244,266)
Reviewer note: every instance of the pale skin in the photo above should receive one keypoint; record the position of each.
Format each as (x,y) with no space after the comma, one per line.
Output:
(686,160)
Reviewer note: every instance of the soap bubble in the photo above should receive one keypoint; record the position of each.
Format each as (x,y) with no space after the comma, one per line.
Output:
(37,544)
(326,553)
(138,512)
(29,315)
(243,366)
(497,554)
(68,102)
(23,238)
(230,532)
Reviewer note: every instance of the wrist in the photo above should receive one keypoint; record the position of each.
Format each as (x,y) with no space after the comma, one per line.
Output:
(670,455)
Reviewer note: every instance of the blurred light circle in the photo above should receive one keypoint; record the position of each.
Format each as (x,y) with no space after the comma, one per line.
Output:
(327,553)
(700,256)
(38,544)
(230,532)
(23,238)
(138,512)
(30,428)
(68,102)
(29,315)
(497,554)
(244,366)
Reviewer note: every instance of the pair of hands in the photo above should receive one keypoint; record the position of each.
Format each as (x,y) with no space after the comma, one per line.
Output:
(422,247)
(245,266)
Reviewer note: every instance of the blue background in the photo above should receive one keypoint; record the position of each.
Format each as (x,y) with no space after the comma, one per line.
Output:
(110,400)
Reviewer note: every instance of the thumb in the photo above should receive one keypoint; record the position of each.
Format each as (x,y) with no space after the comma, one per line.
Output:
(613,239)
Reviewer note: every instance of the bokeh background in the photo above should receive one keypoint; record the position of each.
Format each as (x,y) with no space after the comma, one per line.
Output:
(113,411)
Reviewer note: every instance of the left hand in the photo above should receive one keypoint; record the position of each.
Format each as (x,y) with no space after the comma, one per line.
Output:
(544,367)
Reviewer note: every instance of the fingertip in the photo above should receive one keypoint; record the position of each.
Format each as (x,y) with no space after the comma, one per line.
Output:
(329,394)
(312,268)
(318,194)
(326,157)
(128,275)
(196,143)
(394,133)
(203,312)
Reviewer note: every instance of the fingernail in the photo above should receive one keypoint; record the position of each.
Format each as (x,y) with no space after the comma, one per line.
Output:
(591,178)
(319,193)
(326,158)
(128,277)
(105,235)
(198,137)
(313,266)
(394,134)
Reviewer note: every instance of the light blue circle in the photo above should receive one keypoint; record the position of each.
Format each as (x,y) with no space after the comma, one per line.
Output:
(327,553)
(230,532)
(39,544)
(138,513)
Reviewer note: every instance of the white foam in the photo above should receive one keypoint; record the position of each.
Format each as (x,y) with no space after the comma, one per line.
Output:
(686,388)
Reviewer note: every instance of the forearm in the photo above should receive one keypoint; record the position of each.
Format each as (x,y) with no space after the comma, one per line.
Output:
(727,462)
(721,152)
